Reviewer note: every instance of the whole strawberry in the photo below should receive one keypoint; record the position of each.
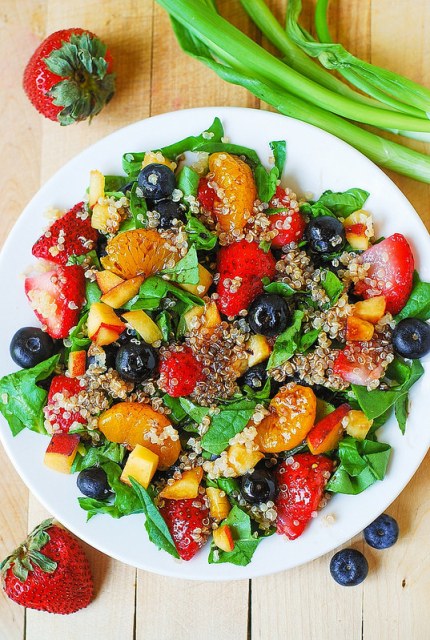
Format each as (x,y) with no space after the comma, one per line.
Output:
(68,78)
(49,572)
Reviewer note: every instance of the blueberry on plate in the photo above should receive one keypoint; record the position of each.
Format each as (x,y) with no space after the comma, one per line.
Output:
(349,567)
(30,346)
(411,338)
(258,486)
(93,483)
(255,377)
(382,532)
(156,181)
(136,361)
(269,314)
(325,234)
(168,211)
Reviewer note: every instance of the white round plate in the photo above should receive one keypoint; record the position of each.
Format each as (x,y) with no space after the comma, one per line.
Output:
(316,161)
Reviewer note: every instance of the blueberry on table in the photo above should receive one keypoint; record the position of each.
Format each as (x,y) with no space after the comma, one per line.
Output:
(255,377)
(168,211)
(325,234)
(156,181)
(258,487)
(269,314)
(411,338)
(349,567)
(30,346)
(382,532)
(136,361)
(93,483)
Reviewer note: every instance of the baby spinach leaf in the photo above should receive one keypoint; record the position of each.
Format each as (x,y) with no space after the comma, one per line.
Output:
(198,235)
(22,400)
(92,293)
(154,289)
(186,271)
(344,203)
(195,412)
(279,288)
(260,394)
(235,149)
(188,181)
(265,245)
(115,183)
(266,182)
(245,543)
(124,502)
(229,485)
(91,256)
(78,336)
(418,305)
(401,411)
(279,148)
(362,462)
(164,323)
(307,339)
(95,456)
(332,286)
(287,342)
(177,412)
(230,420)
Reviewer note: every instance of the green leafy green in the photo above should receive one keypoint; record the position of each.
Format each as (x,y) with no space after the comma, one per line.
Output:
(188,181)
(154,289)
(198,235)
(307,339)
(230,420)
(193,410)
(124,501)
(260,394)
(92,293)
(235,149)
(418,305)
(22,400)
(266,182)
(245,543)
(279,148)
(340,204)
(186,271)
(91,256)
(362,462)
(164,323)
(287,342)
(177,412)
(78,336)
(115,183)
(279,288)
(332,286)
(138,210)
(95,456)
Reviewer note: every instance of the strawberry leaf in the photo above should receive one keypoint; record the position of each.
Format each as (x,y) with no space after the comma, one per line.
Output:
(47,565)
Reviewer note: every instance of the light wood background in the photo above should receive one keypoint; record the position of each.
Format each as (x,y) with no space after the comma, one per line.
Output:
(154,77)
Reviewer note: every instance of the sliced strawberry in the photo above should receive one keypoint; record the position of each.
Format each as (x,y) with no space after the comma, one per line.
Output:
(301,486)
(60,410)
(248,264)
(57,297)
(359,362)
(206,195)
(70,235)
(180,371)
(188,523)
(390,274)
(289,223)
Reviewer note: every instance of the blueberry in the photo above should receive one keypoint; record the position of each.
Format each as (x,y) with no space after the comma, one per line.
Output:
(126,336)
(168,211)
(256,376)
(382,532)
(31,345)
(101,246)
(110,351)
(258,487)
(93,483)
(325,234)
(348,567)
(411,338)
(136,361)
(269,314)
(156,181)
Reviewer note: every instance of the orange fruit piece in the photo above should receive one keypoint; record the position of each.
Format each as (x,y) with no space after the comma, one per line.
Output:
(291,417)
(137,252)
(235,178)
(132,423)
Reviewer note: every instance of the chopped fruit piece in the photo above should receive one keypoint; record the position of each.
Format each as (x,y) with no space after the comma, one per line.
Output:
(180,371)
(242,265)
(289,224)
(186,521)
(103,324)
(137,252)
(97,187)
(186,487)
(358,329)
(132,423)
(61,452)
(107,280)
(77,363)
(219,504)
(57,297)
(201,288)
(123,292)
(358,229)
(359,363)
(291,417)
(390,274)
(259,349)
(157,157)
(234,177)
(70,235)
(62,396)
(105,336)
(144,325)
(100,217)
(206,195)
(301,486)
(357,424)
(325,435)
(223,538)
(141,465)
(209,314)
(243,459)
(372,309)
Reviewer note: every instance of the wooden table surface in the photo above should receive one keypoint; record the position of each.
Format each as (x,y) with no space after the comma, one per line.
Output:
(154,76)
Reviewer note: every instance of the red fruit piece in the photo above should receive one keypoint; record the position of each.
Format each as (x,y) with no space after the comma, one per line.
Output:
(301,486)
(247,262)
(49,572)
(206,195)
(62,397)
(59,65)
(57,297)
(188,523)
(359,363)
(289,224)
(71,235)
(180,371)
(390,274)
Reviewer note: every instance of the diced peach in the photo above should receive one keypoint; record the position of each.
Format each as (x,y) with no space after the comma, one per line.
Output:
(219,504)
(157,157)
(77,364)
(358,329)
(141,465)
(61,452)
(186,487)
(99,217)
(357,424)
(144,325)
(211,320)
(358,229)
(223,538)
(105,336)
(102,316)
(259,348)
(123,292)
(372,309)
(107,280)
(243,459)
(97,187)
(200,289)
(326,434)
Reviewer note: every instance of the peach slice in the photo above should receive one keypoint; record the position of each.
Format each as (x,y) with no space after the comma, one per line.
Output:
(77,363)
(144,325)
(141,465)
(61,452)
(156,157)
(103,324)
(357,424)
(107,280)
(137,252)
(200,289)
(259,349)
(219,504)
(326,434)
(358,329)
(209,314)
(97,187)
(372,309)
(186,487)
(223,538)
(123,292)
(358,228)
(243,459)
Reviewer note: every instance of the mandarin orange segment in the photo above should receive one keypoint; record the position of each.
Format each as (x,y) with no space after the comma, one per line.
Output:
(133,423)
(234,177)
(291,417)
(137,252)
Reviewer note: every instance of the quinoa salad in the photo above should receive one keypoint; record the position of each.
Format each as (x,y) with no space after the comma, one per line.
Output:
(214,350)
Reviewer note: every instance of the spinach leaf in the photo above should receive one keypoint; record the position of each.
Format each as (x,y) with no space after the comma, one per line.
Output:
(164,324)
(186,271)
(92,293)
(265,245)
(287,342)
(155,525)
(266,182)
(177,412)
(280,288)
(362,462)
(188,181)
(154,289)
(91,255)
(261,394)
(279,148)
(95,456)
(229,485)
(195,412)
(234,149)
(401,411)
(332,286)
(245,543)
(323,409)
(198,235)
(344,203)
(115,183)
(230,420)
(306,340)
(78,336)
(418,305)
(22,401)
